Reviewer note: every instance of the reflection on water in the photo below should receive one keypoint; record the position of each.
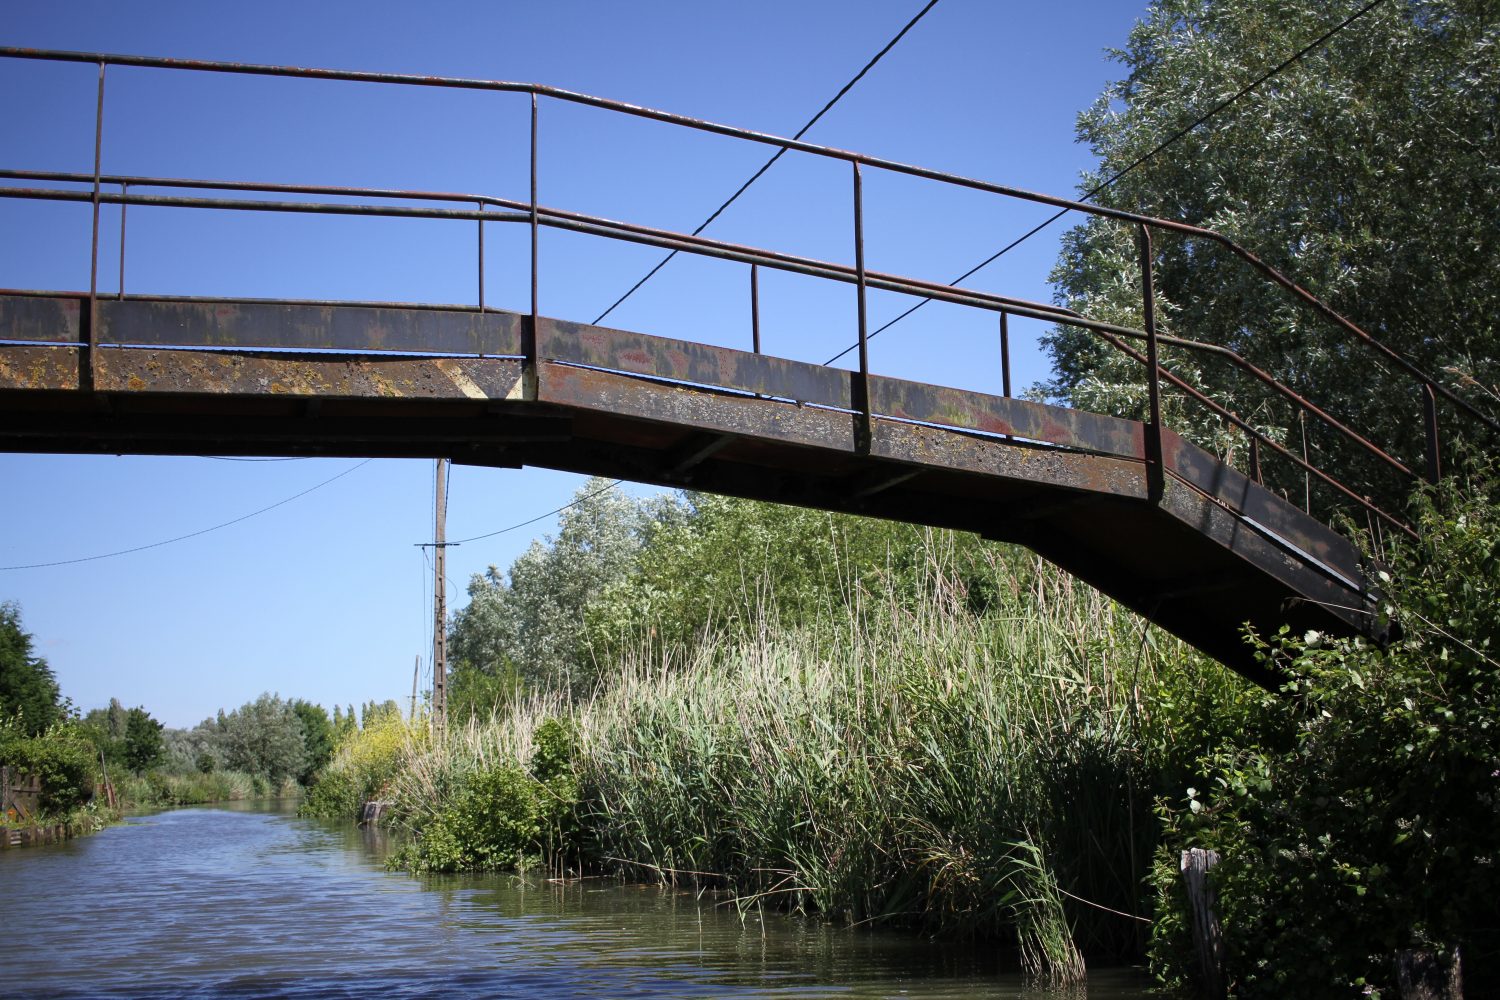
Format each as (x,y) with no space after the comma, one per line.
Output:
(227,902)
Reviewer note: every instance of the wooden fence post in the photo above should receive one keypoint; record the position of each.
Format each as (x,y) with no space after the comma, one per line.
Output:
(1208,940)
(1424,975)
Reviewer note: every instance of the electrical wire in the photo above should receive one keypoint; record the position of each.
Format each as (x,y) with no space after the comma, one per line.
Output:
(777,155)
(230,458)
(1110,181)
(541,517)
(195,534)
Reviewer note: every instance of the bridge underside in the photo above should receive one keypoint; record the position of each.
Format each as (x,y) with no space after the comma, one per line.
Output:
(193,376)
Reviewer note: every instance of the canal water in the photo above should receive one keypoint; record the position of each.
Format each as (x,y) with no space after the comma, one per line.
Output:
(245,902)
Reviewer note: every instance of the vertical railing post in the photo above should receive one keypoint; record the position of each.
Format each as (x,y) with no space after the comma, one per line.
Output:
(529,338)
(861,394)
(1005,351)
(755,307)
(1155,453)
(1252,445)
(1430,420)
(481,257)
(124,196)
(86,369)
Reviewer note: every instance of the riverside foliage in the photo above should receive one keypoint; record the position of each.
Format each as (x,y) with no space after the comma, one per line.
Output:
(871,722)
(927,730)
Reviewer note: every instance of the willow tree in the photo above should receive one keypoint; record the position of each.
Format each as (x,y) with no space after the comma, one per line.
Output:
(1366,170)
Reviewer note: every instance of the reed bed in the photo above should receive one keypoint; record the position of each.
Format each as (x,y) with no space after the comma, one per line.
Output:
(987,774)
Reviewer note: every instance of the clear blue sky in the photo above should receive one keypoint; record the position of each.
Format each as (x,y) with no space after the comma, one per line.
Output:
(326,597)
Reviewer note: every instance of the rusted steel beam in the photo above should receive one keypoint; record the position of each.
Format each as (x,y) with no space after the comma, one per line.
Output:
(45,367)
(932,446)
(329,327)
(695,450)
(1261,551)
(1039,507)
(49,318)
(246,373)
(1240,494)
(878,480)
(683,406)
(999,415)
(700,364)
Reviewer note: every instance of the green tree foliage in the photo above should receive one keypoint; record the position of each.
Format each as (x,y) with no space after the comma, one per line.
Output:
(1366,171)
(27,687)
(263,737)
(106,728)
(61,756)
(522,627)
(724,562)
(317,738)
(344,724)
(143,744)
(1376,828)
(373,713)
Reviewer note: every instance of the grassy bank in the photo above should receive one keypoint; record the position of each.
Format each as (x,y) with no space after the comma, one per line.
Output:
(987,774)
(158,789)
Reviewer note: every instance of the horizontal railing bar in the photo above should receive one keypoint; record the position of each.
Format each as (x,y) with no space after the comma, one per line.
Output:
(558,93)
(763,256)
(1243,425)
(630,232)
(257,205)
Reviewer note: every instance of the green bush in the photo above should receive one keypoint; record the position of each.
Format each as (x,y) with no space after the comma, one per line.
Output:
(505,815)
(362,766)
(61,756)
(1376,828)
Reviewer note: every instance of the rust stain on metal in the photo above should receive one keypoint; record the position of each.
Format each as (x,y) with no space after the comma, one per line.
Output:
(38,367)
(219,373)
(915,443)
(302,325)
(1241,495)
(51,319)
(688,407)
(685,361)
(1001,415)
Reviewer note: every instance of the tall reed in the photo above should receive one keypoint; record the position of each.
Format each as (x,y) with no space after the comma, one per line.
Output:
(985,774)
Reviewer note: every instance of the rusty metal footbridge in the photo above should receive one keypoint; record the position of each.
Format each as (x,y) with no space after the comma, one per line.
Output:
(1135,509)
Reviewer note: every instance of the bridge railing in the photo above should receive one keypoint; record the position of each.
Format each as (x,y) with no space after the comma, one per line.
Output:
(534,216)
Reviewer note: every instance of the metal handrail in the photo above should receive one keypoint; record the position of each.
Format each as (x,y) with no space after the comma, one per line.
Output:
(860,159)
(593,225)
(534,214)
(663,238)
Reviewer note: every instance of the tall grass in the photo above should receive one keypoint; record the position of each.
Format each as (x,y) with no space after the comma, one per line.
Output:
(986,774)
(157,788)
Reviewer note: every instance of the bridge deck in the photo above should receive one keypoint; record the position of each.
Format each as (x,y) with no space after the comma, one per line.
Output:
(192,376)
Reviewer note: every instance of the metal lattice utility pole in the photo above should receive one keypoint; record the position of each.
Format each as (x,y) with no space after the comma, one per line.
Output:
(440,602)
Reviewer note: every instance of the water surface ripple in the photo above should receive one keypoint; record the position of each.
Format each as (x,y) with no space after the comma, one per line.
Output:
(239,903)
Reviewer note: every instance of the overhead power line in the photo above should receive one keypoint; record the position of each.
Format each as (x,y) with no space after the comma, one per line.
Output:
(542,517)
(777,155)
(1110,181)
(195,534)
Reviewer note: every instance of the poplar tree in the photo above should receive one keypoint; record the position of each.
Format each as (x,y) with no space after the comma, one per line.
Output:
(1365,170)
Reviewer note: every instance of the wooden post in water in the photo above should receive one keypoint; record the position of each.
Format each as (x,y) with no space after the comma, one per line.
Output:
(1208,940)
(1425,975)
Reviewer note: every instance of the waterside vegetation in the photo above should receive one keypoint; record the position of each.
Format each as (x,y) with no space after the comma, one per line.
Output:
(86,769)
(957,737)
